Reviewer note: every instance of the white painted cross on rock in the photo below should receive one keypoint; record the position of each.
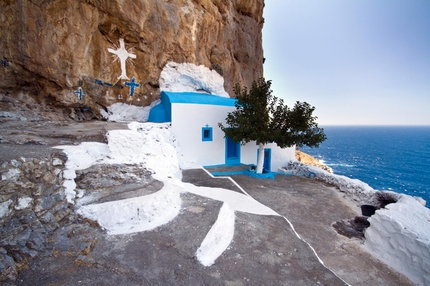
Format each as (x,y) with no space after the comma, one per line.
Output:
(122,54)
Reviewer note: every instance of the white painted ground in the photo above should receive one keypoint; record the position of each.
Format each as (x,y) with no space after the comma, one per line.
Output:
(154,147)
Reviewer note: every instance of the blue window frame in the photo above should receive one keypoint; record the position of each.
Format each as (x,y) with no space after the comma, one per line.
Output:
(207,134)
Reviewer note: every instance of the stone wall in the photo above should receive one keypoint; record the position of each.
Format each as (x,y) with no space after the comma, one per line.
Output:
(52,50)
(32,209)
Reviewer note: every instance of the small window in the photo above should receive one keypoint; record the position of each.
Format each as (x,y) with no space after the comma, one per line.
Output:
(207,134)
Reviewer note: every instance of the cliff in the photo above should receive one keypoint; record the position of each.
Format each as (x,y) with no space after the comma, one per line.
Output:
(312,161)
(85,53)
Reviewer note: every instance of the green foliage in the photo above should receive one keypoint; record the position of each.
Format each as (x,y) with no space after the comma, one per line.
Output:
(262,117)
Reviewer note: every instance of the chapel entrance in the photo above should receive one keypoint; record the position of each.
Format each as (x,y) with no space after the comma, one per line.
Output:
(267,159)
(232,152)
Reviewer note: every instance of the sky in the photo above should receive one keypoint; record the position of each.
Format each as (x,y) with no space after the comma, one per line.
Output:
(359,62)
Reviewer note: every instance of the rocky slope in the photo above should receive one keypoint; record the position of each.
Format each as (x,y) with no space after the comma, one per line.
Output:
(54,50)
(312,161)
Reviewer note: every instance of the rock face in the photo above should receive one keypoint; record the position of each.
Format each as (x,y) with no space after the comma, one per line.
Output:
(30,216)
(85,54)
(312,161)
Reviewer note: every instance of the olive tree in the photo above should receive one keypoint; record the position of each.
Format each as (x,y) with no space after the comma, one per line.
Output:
(260,116)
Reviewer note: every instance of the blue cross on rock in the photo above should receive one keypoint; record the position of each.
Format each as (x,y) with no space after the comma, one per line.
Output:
(80,93)
(4,63)
(132,84)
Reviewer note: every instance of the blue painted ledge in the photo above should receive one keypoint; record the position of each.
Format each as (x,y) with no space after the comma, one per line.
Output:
(248,172)
(219,174)
(269,175)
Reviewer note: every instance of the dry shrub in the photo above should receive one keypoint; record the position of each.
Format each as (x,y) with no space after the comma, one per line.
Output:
(385,198)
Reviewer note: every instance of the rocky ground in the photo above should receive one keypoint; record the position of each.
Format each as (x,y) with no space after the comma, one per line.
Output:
(44,242)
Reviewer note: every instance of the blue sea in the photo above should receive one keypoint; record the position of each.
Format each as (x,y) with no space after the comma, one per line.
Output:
(395,158)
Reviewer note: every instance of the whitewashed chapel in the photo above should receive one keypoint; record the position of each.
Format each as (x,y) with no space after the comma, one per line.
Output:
(194,118)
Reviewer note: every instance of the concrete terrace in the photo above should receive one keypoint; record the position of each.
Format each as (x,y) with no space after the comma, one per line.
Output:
(311,207)
(266,250)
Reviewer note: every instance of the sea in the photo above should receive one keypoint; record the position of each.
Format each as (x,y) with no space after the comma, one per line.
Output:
(395,158)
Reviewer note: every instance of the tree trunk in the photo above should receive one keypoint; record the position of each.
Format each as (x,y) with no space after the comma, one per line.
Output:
(260,161)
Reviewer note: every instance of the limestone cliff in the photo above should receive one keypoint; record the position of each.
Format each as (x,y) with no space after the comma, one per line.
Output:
(311,160)
(85,53)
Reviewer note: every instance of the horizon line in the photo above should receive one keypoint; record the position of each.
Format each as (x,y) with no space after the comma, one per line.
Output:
(375,125)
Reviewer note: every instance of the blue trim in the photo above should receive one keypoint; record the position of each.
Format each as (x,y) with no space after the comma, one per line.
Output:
(207,134)
(222,165)
(163,111)
(248,172)
(232,152)
(224,174)
(269,175)
(165,100)
(198,98)
(267,164)
(157,114)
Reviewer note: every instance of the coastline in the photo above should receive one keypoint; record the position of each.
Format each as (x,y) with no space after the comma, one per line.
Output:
(399,233)
(308,159)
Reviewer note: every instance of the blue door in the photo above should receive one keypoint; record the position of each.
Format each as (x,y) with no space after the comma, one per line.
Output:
(267,159)
(232,152)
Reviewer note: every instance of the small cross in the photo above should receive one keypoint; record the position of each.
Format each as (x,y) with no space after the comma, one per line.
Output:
(5,63)
(132,85)
(207,125)
(80,93)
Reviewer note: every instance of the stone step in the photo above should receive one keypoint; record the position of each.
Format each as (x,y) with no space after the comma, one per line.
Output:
(125,191)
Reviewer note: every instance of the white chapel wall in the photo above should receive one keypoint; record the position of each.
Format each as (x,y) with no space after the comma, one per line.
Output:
(280,157)
(187,123)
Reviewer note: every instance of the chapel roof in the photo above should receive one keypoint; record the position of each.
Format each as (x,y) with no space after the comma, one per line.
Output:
(198,98)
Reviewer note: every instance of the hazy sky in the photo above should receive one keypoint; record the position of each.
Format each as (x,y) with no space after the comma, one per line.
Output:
(359,62)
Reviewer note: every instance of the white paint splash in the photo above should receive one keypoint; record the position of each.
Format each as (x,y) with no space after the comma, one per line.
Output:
(122,112)
(137,214)
(122,55)
(236,201)
(218,238)
(23,203)
(80,157)
(189,77)
(4,208)
(11,174)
